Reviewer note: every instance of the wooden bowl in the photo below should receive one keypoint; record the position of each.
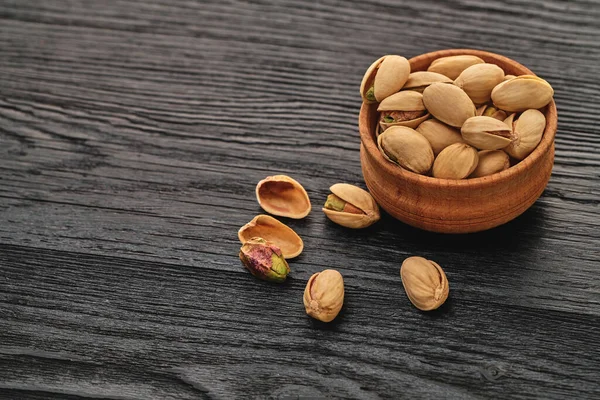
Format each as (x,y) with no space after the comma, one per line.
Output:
(456,206)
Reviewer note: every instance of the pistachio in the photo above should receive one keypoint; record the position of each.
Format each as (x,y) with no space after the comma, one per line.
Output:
(452,66)
(487,110)
(490,162)
(486,133)
(509,77)
(283,196)
(439,134)
(456,161)
(418,81)
(478,81)
(407,148)
(425,283)
(522,93)
(273,231)
(351,206)
(448,103)
(264,260)
(324,295)
(526,133)
(384,77)
(403,109)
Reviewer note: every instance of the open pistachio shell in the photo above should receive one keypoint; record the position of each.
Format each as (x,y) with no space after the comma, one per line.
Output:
(478,81)
(448,103)
(486,133)
(487,110)
(403,109)
(419,80)
(384,77)
(283,196)
(276,232)
(522,93)
(363,210)
(526,133)
(490,162)
(452,66)
(439,135)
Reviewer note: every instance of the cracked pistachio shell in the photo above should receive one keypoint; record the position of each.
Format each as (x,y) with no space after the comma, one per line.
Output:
(448,103)
(264,260)
(324,295)
(486,133)
(490,162)
(419,80)
(273,231)
(425,283)
(357,208)
(452,66)
(526,133)
(407,148)
(283,196)
(439,135)
(407,101)
(487,110)
(522,93)
(478,81)
(456,161)
(384,77)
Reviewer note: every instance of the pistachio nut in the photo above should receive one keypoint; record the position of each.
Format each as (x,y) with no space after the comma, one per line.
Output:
(273,231)
(486,133)
(283,196)
(522,93)
(509,77)
(425,283)
(403,109)
(264,260)
(351,206)
(384,77)
(478,81)
(526,133)
(490,162)
(419,80)
(407,148)
(324,295)
(448,103)
(439,134)
(487,110)
(456,161)
(452,66)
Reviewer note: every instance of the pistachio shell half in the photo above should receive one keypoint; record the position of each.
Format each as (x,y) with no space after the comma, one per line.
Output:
(456,161)
(478,81)
(526,133)
(384,77)
(487,110)
(351,206)
(283,196)
(448,103)
(407,148)
(486,133)
(452,66)
(273,231)
(418,81)
(403,109)
(522,93)
(490,162)
(439,135)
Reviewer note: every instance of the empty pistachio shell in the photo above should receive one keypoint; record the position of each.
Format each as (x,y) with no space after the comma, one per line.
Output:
(351,206)
(526,133)
(283,196)
(425,283)
(418,81)
(490,162)
(384,77)
(486,133)
(407,148)
(456,161)
(403,109)
(487,110)
(264,260)
(478,81)
(439,135)
(273,231)
(324,295)
(452,66)
(448,103)
(522,93)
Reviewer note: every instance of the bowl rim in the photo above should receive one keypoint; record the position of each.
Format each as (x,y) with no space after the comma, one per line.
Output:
(368,139)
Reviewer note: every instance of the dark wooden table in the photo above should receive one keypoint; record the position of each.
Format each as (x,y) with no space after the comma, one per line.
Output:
(132,135)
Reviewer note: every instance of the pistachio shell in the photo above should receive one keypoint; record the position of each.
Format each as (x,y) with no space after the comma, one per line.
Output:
(526,133)
(452,66)
(418,81)
(412,123)
(490,162)
(408,101)
(456,161)
(509,77)
(522,93)
(448,103)
(386,76)
(407,148)
(324,295)
(478,81)
(276,232)
(439,135)
(487,110)
(425,283)
(360,199)
(283,196)
(486,133)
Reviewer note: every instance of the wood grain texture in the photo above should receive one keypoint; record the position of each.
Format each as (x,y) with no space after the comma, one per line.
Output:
(132,135)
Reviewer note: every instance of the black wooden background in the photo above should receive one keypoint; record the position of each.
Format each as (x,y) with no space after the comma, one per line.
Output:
(132,135)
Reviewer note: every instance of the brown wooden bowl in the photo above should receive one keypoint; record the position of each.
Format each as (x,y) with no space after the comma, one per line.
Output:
(456,206)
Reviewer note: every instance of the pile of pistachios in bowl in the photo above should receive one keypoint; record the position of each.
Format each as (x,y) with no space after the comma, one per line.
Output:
(462,118)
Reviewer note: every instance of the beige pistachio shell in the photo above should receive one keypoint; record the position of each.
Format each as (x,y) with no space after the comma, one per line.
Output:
(522,93)
(359,198)
(526,133)
(452,66)
(456,161)
(487,110)
(425,283)
(478,81)
(418,81)
(387,75)
(509,77)
(448,103)
(486,133)
(408,101)
(324,295)
(490,162)
(412,123)
(439,135)
(283,196)
(407,148)
(276,232)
